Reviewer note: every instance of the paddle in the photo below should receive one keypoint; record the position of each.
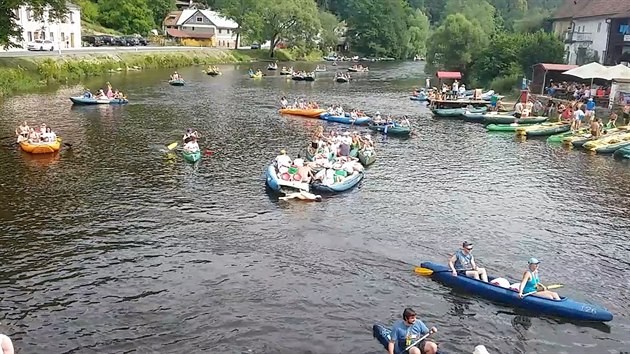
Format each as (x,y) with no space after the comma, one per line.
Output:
(429,272)
(171,146)
(418,341)
(552,286)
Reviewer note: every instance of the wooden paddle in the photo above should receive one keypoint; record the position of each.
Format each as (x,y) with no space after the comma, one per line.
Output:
(552,286)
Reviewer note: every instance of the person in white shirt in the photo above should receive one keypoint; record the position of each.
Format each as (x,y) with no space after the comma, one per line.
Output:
(283,159)
(299,161)
(578,115)
(455,88)
(462,90)
(191,146)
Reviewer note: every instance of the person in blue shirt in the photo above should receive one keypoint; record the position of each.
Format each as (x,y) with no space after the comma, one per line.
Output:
(590,109)
(530,284)
(407,331)
(87,94)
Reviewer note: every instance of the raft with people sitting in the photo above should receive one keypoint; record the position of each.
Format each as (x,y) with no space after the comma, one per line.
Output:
(390,129)
(565,307)
(278,179)
(343,182)
(42,147)
(345,119)
(177,82)
(81,100)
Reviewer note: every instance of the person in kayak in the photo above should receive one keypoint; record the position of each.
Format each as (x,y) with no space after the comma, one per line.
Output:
(406,331)
(463,263)
(191,146)
(189,135)
(530,284)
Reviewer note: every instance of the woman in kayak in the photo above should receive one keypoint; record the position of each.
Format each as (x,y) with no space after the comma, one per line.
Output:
(530,284)
(406,332)
(463,263)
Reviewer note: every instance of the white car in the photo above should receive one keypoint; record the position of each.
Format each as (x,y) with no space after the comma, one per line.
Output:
(39,44)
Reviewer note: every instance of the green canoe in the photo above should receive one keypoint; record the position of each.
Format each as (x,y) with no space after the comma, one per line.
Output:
(457,112)
(367,159)
(192,156)
(543,129)
(504,127)
(558,138)
(505,119)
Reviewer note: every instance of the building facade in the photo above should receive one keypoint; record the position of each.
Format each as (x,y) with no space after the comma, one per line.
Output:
(201,27)
(64,34)
(588,27)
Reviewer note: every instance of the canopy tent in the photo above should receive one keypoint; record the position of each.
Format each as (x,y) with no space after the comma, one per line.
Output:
(453,75)
(619,72)
(543,71)
(591,71)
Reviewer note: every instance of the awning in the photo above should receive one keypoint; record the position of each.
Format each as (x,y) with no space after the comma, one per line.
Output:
(449,75)
(187,34)
(592,70)
(618,73)
(556,67)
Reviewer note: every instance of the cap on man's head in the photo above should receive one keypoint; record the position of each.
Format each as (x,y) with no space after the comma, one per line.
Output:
(467,244)
(283,151)
(533,261)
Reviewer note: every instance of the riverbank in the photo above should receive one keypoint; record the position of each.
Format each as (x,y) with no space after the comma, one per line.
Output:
(33,73)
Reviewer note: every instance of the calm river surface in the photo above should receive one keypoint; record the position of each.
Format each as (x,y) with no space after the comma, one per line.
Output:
(113,246)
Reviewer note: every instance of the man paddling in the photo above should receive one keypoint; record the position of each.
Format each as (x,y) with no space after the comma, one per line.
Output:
(407,332)
(463,263)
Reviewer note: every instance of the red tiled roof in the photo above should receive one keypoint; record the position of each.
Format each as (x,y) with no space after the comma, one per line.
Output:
(449,75)
(186,34)
(171,18)
(556,67)
(592,8)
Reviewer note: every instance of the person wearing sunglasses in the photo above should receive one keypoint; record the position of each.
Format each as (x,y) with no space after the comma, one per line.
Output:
(530,284)
(463,263)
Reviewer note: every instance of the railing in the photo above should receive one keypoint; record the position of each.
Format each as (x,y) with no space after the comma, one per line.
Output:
(570,37)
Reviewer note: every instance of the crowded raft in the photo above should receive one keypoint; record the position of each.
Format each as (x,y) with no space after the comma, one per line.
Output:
(37,140)
(109,95)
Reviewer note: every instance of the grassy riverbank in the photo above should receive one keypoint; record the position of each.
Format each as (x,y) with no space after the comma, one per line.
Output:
(28,74)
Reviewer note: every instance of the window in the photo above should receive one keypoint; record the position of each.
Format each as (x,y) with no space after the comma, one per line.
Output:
(52,36)
(29,13)
(219,31)
(199,19)
(227,31)
(30,36)
(17,14)
(71,17)
(599,27)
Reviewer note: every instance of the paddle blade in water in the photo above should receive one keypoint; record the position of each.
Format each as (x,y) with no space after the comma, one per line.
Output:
(423,271)
(172,146)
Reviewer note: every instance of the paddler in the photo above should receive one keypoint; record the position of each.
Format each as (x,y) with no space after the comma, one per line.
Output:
(463,263)
(407,331)
(530,284)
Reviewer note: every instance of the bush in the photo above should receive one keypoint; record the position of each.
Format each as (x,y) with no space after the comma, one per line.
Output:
(506,85)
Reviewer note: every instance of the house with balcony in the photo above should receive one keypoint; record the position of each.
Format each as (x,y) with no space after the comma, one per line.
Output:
(196,27)
(65,33)
(589,29)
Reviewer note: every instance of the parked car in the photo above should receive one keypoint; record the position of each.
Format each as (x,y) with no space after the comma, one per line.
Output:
(255,45)
(143,41)
(94,41)
(131,41)
(40,44)
(107,40)
(119,41)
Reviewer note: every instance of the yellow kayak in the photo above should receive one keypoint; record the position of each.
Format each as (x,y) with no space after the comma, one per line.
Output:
(608,144)
(41,148)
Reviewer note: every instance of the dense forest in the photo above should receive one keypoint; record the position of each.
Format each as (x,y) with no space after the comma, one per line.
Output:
(485,39)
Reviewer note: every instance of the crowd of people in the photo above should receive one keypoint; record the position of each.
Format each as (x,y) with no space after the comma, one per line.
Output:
(39,135)
(176,76)
(337,110)
(108,94)
(576,90)
(298,104)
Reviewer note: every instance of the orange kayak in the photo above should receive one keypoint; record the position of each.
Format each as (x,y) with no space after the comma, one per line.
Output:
(41,148)
(311,113)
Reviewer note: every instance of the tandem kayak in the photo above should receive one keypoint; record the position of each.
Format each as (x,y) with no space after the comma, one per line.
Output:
(41,148)
(565,307)
(457,112)
(508,119)
(608,144)
(348,183)
(391,130)
(179,82)
(543,129)
(366,157)
(311,113)
(345,119)
(91,101)
(192,156)
(278,180)
(623,153)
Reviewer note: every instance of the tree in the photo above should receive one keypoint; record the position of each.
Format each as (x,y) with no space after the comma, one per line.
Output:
(510,10)
(293,20)
(435,10)
(379,27)
(533,21)
(418,24)
(540,47)
(160,8)
(243,12)
(127,16)
(10,31)
(453,45)
(476,11)
(89,10)
(500,59)
(329,35)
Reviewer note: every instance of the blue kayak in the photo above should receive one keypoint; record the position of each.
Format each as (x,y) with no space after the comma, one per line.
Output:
(565,307)
(345,119)
(339,187)
(277,184)
(381,333)
(90,101)
(420,98)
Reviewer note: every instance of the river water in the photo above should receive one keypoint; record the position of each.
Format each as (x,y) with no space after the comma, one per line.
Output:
(113,246)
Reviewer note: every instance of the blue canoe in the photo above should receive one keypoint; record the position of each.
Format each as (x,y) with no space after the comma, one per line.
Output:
(90,101)
(339,187)
(420,98)
(565,307)
(276,184)
(344,119)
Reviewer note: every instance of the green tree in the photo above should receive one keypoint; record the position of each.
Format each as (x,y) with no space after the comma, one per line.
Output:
(243,12)
(500,59)
(160,8)
(540,47)
(534,20)
(453,45)
(510,10)
(127,16)
(479,12)
(291,20)
(418,24)
(10,31)
(378,27)
(329,35)
(89,10)
(435,10)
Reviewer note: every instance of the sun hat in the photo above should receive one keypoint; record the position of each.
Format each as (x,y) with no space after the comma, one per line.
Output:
(533,261)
